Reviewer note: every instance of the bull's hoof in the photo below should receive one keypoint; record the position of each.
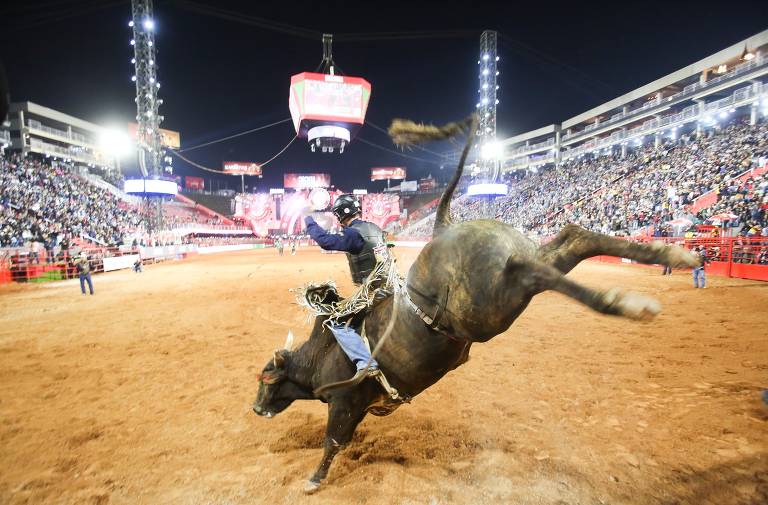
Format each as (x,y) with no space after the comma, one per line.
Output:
(676,256)
(632,305)
(311,487)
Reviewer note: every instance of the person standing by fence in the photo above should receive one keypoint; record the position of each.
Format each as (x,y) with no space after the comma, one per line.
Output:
(84,271)
(699,277)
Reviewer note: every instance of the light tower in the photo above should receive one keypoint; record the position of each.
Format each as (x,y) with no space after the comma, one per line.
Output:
(489,162)
(486,106)
(149,142)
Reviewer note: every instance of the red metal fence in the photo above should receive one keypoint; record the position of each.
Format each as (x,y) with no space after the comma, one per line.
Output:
(739,257)
(23,265)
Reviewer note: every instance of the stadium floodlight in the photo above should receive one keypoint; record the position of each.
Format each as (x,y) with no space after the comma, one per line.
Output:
(151,62)
(133,61)
(133,42)
(149,24)
(485,71)
(492,151)
(133,78)
(130,24)
(497,58)
(115,143)
(485,57)
(149,43)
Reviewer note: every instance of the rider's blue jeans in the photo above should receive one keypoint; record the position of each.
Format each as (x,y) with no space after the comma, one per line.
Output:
(353,346)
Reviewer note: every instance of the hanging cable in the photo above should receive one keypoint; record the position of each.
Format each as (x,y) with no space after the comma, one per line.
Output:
(377,146)
(253,130)
(266,24)
(239,17)
(221,172)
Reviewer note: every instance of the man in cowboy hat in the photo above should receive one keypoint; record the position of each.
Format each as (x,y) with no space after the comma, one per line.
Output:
(84,271)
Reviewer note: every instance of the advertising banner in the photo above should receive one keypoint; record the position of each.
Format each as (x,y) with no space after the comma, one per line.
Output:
(406,186)
(427,184)
(119,262)
(242,168)
(384,173)
(194,183)
(168,138)
(306,181)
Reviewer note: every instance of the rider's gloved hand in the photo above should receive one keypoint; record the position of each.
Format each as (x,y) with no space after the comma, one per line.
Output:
(307,210)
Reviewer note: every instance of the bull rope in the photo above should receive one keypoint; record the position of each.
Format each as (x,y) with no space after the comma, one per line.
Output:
(384,281)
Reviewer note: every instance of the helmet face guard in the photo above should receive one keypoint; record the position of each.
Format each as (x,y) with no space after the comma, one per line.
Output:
(346,206)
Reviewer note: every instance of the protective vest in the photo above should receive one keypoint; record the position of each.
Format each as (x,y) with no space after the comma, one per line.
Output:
(374,250)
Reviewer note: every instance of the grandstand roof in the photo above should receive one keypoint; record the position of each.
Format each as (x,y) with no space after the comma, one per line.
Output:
(694,70)
(55,115)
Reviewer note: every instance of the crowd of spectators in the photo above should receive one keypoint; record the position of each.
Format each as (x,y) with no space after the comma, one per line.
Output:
(647,187)
(47,203)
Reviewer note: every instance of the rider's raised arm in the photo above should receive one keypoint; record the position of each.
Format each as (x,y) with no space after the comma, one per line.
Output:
(349,240)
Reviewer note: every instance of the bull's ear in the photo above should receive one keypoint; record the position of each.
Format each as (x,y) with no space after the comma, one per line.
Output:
(288,341)
(278,359)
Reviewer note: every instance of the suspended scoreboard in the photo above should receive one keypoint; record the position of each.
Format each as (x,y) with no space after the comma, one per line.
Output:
(150,187)
(328,110)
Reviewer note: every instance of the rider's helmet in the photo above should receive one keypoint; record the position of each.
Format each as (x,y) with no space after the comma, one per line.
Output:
(345,206)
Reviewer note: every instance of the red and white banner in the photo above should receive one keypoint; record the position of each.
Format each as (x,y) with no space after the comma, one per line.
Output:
(306,181)
(242,168)
(194,183)
(381,209)
(383,173)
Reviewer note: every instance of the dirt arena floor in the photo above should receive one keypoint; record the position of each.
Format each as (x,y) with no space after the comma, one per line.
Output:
(142,394)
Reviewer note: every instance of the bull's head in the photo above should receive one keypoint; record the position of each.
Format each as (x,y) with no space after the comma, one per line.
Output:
(277,388)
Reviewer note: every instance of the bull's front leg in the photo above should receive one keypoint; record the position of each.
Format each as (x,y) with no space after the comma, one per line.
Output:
(343,419)
(574,244)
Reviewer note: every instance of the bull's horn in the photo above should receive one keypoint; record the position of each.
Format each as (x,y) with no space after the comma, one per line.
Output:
(288,341)
(278,359)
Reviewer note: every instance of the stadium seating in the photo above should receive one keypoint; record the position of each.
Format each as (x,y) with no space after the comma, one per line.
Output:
(647,188)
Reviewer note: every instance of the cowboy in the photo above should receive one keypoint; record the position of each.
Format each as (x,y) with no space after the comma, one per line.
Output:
(365,245)
(83,267)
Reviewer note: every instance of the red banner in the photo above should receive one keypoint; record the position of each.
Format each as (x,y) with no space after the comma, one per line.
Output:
(383,173)
(194,183)
(306,181)
(242,168)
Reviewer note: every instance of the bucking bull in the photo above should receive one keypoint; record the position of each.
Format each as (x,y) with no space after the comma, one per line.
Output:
(468,284)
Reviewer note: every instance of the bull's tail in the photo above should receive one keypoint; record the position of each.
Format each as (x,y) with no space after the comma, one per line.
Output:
(404,132)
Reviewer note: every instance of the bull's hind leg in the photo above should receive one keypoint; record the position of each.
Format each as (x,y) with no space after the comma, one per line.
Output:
(574,244)
(535,277)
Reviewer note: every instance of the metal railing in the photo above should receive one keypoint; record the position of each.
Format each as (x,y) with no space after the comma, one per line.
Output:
(33,124)
(68,153)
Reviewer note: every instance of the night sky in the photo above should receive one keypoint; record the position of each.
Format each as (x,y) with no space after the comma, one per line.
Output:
(221,77)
